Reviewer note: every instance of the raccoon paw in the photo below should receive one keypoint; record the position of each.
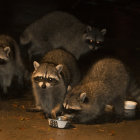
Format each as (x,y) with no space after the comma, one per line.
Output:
(34,109)
(53,114)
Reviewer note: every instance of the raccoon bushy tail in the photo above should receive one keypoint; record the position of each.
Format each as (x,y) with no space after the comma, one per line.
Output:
(134,91)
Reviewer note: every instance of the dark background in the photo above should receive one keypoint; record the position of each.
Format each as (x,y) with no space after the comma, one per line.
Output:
(121,18)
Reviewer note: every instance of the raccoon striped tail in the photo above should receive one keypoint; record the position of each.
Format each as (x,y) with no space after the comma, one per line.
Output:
(134,91)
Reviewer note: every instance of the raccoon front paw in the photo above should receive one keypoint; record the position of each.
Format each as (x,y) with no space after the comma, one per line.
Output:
(53,114)
(34,109)
(55,110)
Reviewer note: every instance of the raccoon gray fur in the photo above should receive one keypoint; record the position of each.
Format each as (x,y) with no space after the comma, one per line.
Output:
(61,29)
(107,82)
(10,62)
(134,91)
(57,71)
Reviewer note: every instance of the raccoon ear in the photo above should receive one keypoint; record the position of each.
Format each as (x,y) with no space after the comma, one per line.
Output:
(36,65)
(103,31)
(83,96)
(7,50)
(59,67)
(88,28)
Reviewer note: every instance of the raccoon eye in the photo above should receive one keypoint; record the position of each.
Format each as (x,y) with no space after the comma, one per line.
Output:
(50,80)
(90,41)
(38,79)
(99,43)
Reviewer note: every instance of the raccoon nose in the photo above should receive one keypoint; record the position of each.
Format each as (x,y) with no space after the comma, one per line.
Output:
(43,86)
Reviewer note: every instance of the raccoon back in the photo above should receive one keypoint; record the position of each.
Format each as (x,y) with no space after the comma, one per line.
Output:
(56,29)
(70,69)
(109,70)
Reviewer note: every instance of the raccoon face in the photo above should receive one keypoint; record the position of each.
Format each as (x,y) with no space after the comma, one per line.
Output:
(47,75)
(4,55)
(75,100)
(94,38)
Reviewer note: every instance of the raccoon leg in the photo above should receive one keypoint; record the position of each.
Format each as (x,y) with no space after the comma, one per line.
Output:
(20,78)
(37,107)
(6,83)
(55,110)
(34,109)
(37,104)
(119,106)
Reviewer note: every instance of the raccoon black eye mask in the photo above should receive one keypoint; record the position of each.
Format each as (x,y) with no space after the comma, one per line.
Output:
(94,38)
(95,44)
(42,79)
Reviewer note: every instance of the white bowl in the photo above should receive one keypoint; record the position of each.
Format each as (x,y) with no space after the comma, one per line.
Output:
(129,113)
(58,123)
(130,105)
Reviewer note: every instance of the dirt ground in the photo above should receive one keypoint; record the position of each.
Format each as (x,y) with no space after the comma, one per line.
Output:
(122,20)
(17,124)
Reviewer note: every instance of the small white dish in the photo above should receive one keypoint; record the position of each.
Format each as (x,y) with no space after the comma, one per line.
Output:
(130,105)
(58,123)
(129,113)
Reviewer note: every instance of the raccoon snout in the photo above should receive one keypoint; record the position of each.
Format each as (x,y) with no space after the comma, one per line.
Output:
(91,47)
(64,105)
(43,86)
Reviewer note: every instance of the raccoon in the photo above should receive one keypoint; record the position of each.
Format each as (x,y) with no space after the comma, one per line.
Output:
(10,62)
(61,29)
(107,82)
(52,77)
